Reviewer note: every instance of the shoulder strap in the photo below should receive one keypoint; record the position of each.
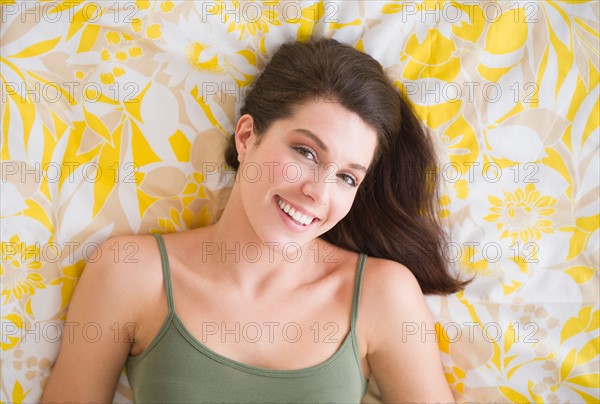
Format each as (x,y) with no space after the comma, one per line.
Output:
(166,271)
(362,258)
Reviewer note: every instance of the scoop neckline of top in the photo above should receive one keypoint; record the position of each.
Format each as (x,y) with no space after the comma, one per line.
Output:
(256,369)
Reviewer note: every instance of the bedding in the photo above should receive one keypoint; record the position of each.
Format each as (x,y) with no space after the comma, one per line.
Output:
(114,116)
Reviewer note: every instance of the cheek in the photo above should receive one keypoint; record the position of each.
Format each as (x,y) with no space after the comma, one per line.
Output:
(342,205)
(267,168)
(279,172)
(282,170)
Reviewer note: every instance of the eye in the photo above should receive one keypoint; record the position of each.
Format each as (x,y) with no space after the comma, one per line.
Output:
(349,180)
(306,152)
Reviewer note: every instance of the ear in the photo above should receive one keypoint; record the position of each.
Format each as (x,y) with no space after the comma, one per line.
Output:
(244,135)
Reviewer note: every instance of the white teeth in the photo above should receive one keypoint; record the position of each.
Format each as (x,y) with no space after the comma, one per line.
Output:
(297,216)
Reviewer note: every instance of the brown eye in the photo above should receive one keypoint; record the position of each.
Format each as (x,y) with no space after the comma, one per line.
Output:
(349,179)
(305,152)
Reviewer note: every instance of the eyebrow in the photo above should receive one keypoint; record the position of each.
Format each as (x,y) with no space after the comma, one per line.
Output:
(324,147)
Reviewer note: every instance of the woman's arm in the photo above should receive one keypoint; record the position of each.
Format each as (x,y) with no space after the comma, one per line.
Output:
(402,349)
(95,340)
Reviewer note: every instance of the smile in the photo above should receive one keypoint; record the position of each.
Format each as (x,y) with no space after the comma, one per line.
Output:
(298,217)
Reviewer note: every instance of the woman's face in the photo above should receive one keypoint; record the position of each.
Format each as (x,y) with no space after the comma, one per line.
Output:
(302,178)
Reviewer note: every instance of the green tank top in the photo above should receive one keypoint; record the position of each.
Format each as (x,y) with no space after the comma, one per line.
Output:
(177,368)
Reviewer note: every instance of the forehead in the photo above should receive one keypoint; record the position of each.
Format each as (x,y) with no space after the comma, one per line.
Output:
(344,133)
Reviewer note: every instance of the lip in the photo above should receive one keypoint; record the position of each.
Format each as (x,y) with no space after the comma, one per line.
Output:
(289,221)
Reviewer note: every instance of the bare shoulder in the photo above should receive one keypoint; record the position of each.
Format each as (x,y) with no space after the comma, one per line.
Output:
(401,347)
(390,296)
(387,281)
(124,257)
(121,262)
(108,297)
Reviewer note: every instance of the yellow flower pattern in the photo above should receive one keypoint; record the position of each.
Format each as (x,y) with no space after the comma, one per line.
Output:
(523,215)
(19,269)
(114,116)
(247,17)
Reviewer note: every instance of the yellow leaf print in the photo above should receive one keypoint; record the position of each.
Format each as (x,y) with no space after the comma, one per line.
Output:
(461,141)
(82,17)
(5,154)
(580,273)
(513,395)
(310,16)
(206,109)
(41,215)
(133,104)
(455,378)
(496,39)
(334,26)
(38,49)
(568,364)
(590,380)
(142,151)
(97,125)
(575,325)
(435,48)
(589,351)
(588,398)
(10,323)
(472,30)
(392,8)
(591,126)
(435,115)
(181,146)
(250,56)
(595,322)
(18,395)
(88,38)
(104,181)
(446,71)
(585,227)
(564,56)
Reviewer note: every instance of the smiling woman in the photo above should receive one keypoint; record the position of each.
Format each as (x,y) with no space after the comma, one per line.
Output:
(327,243)
(397,199)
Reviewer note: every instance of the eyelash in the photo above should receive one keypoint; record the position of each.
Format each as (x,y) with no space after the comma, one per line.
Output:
(304,151)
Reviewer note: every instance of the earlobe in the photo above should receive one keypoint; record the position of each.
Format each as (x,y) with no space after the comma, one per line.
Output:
(243,135)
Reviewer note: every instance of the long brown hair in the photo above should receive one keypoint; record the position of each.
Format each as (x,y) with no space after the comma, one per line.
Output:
(394,214)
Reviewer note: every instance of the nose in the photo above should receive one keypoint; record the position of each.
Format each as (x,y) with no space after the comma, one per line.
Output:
(316,185)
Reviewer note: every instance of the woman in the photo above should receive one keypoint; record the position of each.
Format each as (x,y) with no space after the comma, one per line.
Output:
(277,301)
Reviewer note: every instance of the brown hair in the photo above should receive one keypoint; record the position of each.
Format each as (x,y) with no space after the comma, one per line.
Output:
(394,214)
